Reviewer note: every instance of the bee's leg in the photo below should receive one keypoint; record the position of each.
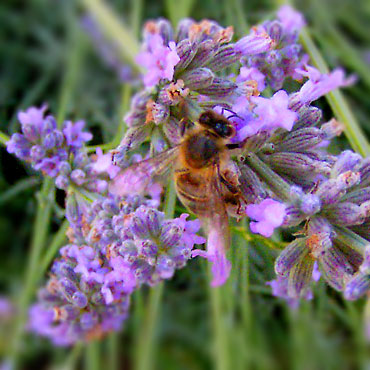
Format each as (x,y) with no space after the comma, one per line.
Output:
(182,127)
(234,146)
(239,210)
(232,188)
(185,124)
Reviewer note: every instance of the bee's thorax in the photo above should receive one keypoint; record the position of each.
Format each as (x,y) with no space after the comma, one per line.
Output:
(200,150)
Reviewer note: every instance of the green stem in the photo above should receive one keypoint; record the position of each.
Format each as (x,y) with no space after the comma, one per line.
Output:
(113,351)
(124,107)
(245,304)
(357,326)
(74,356)
(241,16)
(272,179)
(144,358)
(55,244)
(4,138)
(74,62)
(136,15)
(336,100)
(231,336)
(221,353)
(114,28)
(170,202)
(42,222)
(178,9)
(93,356)
(145,345)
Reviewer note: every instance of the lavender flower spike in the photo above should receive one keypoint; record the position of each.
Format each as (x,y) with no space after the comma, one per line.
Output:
(56,153)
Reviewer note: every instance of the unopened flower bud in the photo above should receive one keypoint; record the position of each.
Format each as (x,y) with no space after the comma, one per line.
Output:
(223,58)
(186,52)
(79,299)
(198,78)
(300,140)
(219,88)
(170,235)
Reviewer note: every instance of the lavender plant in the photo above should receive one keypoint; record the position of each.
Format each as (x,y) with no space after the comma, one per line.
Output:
(119,240)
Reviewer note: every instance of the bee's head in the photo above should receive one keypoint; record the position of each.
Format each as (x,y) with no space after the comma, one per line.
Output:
(220,125)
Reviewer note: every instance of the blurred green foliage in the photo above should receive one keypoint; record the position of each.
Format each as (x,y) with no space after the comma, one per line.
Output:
(47,58)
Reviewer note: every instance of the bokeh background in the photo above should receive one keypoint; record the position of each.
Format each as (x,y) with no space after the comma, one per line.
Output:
(46,56)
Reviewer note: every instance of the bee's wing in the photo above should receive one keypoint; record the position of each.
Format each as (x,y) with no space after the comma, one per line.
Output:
(218,236)
(216,220)
(139,175)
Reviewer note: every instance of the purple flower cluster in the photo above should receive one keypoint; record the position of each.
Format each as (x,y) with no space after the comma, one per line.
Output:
(58,153)
(282,60)
(70,310)
(332,211)
(282,138)
(152,246)
(279,164)
(182,66)
(326,194)
(119,245)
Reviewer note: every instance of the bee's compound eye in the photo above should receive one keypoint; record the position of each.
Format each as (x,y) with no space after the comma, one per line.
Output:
(222,129)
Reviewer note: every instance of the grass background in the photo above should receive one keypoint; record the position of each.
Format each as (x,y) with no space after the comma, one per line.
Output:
(46,57)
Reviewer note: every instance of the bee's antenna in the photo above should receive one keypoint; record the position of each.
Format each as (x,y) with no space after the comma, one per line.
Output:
(223,110)
(234,115)
(231,111)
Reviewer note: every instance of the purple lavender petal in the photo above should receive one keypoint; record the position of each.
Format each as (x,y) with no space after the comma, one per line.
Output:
(216,254)
(104,163)
(320,84)
(74,135)
(158,59)
(269,214)
(274,112)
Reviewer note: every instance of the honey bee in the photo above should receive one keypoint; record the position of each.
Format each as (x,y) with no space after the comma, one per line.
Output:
(205,180)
